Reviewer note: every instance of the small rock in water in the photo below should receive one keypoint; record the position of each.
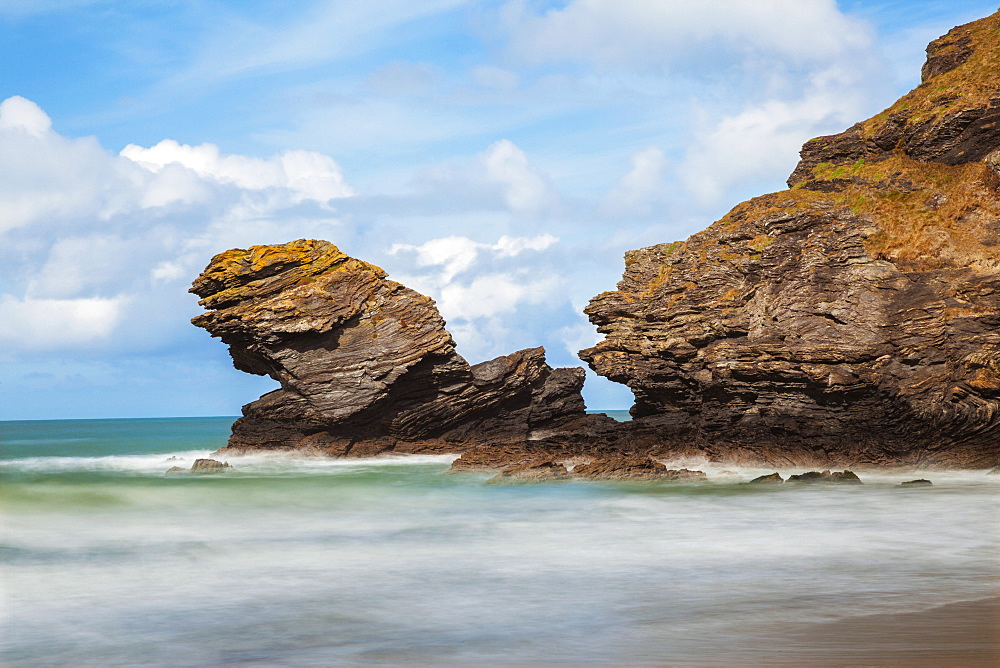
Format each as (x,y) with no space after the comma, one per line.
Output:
(209,466)
(839,477)
(622,467)
(203,466)
(773,479)
(633,467)
(915,483)
(995,471)
(536,471)
(684,474)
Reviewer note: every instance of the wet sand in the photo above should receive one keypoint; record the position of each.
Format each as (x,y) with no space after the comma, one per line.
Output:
(959,634)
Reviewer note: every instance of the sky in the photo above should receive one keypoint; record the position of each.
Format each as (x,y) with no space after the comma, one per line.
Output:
(499,156)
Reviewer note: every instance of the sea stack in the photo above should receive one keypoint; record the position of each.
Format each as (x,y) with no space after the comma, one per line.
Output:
(853,318)
(366,364)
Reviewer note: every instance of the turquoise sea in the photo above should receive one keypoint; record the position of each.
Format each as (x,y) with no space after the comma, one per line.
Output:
(291,561)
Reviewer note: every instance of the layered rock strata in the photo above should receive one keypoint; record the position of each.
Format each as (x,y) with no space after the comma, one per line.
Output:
(852,319)
(365,364)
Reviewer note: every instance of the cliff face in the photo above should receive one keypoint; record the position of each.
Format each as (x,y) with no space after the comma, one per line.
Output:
(365,364)
(854,318)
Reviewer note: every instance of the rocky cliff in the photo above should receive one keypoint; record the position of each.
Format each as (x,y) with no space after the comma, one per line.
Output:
(366,364)
(852,319)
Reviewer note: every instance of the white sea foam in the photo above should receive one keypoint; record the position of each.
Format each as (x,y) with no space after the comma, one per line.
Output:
(261,464)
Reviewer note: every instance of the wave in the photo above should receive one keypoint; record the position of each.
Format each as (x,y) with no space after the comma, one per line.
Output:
(261,464)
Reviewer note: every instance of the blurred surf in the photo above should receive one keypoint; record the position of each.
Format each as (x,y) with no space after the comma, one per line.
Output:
(296,561)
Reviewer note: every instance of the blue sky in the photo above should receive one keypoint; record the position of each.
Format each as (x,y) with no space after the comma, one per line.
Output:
(499,156)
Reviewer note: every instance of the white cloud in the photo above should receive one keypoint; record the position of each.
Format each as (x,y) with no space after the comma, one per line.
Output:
(50,179)
(647,33)
(477,284)
(168,272)
(578,336)
(510,246)
(763,140)
(46,176)
(524,189)
(494,294)
(455,254)
(307,174)
(17,113)
(641,186)
(44,323)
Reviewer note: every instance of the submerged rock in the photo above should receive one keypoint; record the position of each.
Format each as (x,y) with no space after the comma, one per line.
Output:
(854,318)
(837,477)
(536,471)
(209,466)
(366,364)
(915,483)
(772,479)
(203,466)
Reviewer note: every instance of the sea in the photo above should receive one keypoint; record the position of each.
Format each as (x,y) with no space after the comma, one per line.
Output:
(291,561)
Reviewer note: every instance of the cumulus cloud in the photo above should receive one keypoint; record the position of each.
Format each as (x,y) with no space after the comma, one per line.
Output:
(18,113)
(46,176)
(94,243)
(38,324)
(302,174)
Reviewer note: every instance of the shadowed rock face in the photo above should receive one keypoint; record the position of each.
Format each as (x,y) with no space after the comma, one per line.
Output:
(366,364)
(854,318)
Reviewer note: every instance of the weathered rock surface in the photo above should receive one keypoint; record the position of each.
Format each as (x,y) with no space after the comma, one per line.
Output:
(633,467)
(836,477)
(772,479)
(203,466)
(529,472)
(366,364)
(922,482)
(852,319)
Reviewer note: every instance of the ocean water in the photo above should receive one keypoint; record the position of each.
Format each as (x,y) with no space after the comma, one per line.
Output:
(292,561)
